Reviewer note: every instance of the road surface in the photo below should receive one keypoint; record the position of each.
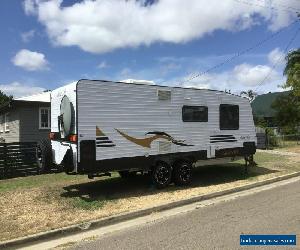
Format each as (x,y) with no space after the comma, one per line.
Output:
(215,226)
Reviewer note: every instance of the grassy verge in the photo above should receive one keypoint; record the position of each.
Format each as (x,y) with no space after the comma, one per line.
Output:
(36,181)
(38,203)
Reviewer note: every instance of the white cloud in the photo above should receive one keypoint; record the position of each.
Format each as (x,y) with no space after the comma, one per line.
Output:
(104,25)
(29,6)
(279,20)
(102,65)
(27,36)
(261,78)
(276,57)
(218,81)
(249,75)
(30,60)
(18,89)
(235,78)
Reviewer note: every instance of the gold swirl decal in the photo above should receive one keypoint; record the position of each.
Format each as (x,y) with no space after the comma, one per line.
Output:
(146,142)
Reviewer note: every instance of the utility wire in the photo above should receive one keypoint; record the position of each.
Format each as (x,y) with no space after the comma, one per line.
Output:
(238,54)
(286,9)
(279,5)
(278,60)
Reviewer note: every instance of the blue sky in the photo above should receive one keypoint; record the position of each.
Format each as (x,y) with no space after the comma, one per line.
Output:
(46,44)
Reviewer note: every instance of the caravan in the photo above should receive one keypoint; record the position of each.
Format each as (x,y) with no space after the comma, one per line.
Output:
(100,126)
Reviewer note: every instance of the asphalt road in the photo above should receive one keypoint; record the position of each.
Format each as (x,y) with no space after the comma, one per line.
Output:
(218,226)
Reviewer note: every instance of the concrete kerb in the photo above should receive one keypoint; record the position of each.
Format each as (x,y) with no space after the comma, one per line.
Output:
(69,230)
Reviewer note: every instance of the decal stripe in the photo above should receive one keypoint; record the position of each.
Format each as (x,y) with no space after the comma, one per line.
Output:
(229,140)
(146,142)
(105,145)
(102,138)
(101,142)
(212,136)
(220,138)
(99,132)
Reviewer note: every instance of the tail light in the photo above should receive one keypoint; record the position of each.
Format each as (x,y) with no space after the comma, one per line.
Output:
(73,138)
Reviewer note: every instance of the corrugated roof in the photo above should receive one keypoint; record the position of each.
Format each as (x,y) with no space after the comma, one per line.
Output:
(41,97)
(262,104)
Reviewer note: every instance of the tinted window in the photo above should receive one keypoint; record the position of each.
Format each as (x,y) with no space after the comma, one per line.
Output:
(194,113)
(229,117)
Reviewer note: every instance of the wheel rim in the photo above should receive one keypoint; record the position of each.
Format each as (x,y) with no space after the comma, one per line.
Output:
(162,174)
(185,172)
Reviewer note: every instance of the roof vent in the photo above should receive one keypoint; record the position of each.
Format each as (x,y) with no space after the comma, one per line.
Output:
(136,81)
(164,95)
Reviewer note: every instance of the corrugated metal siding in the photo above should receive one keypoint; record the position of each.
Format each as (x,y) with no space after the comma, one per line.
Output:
(14,131)
(136,110)
(29,123)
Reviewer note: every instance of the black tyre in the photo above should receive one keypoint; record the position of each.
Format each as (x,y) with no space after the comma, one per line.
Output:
(162,175)
(44,155)
(182,173)
(127,174)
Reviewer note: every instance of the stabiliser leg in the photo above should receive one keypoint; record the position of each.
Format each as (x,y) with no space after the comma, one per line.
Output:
(249,161)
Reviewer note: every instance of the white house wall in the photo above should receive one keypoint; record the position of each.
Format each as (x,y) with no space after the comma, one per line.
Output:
(13,135)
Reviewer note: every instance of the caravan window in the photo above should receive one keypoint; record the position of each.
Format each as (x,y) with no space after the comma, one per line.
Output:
(229,117)
(194,113)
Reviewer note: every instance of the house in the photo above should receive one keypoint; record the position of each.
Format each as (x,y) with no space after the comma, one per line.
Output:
(25,119)
(262,107)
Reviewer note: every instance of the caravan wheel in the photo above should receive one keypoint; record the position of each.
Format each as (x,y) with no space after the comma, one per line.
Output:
(44,155)
(162,175)
(182,173)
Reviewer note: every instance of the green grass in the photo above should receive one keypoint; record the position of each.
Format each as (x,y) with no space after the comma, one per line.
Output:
(261,158)
(36,181)
(44,181)
(80,203)
(62,178)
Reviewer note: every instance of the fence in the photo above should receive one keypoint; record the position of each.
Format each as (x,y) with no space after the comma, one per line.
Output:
(261,140)
(18,159)
(282,140)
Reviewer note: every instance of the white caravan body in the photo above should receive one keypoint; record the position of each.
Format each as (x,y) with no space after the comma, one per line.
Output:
(124,126)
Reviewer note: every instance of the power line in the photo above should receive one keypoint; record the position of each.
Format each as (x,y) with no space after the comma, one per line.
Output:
(286,8)
(278,60)
(281,5)
(238,54)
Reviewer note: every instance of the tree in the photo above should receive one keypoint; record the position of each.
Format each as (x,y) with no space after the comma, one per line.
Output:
(292,71)
(287,111)
(4,98)
(249,94)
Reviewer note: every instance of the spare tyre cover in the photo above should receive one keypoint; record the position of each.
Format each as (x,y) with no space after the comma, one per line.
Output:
(66,116)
